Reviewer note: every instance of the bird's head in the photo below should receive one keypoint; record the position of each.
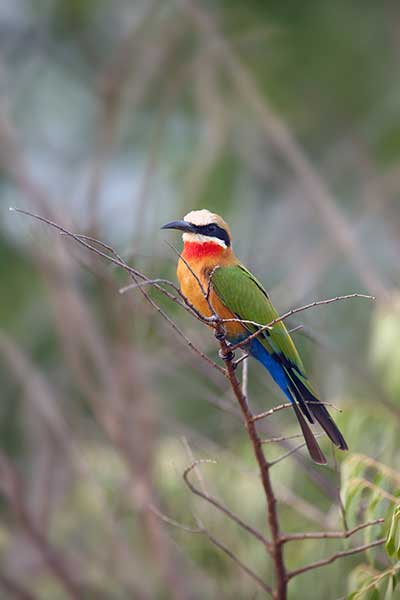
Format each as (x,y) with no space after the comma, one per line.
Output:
(205,229)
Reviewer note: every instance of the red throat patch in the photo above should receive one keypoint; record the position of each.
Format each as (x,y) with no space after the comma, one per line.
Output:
(194,250)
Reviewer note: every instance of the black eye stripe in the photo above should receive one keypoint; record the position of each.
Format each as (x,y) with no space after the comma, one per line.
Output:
(214,231)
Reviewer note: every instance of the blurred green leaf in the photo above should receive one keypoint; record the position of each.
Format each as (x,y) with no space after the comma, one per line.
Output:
(393,538)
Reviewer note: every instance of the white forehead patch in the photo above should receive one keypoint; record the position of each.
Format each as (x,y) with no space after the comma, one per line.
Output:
(197,238)
(200,217)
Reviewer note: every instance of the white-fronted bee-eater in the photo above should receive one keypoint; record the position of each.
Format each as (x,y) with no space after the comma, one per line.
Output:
(236,294)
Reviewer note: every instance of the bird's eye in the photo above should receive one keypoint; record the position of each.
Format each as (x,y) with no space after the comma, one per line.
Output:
(212,228)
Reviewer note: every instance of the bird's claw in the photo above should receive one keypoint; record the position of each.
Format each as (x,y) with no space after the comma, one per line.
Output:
(228,356)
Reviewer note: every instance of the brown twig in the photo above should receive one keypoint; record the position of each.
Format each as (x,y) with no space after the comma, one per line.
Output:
(14,589)
(244,568)
(11,487)
(275,544)
(282,438)
(204,531)
(280,593)
(326,561)
(342,508)
(323,535)
(271,411)
(272,463)
(290,313)
(280,407)
(135,274)
(220,506)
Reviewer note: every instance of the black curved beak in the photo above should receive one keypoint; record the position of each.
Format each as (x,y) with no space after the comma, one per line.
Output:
(181,226)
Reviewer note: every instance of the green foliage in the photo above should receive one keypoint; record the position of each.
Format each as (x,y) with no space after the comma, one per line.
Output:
(393,538)
(385,347)
(370,491)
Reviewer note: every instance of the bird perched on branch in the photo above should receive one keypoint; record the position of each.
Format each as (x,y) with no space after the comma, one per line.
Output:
(234,293)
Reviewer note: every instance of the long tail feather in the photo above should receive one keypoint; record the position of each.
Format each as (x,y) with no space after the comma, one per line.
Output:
(312,445)
(314,406)
(323,417)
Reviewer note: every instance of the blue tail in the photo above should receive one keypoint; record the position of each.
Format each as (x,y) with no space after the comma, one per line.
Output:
(287,377)
(273,367)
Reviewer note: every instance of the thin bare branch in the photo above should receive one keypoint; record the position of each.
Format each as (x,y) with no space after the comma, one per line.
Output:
(271,411)
(244,567)
(287,454)
(221,507)
(117,260)
(282,438)
(264,467)
(280,407)
(342,508)
(14,589)
(288,314)
(12,489)
(172,522)
(205,292)
(323,535)
(203,531)
(331,559)
(295,329)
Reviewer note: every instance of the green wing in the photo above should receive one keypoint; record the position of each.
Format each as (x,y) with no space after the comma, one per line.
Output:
(244,295)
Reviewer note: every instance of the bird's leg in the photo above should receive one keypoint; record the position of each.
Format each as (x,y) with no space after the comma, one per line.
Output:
(224,352)
(227,356)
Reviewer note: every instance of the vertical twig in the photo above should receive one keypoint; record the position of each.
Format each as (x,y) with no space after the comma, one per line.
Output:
(280,592)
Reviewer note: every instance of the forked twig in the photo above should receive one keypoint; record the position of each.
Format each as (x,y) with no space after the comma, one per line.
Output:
(220,506)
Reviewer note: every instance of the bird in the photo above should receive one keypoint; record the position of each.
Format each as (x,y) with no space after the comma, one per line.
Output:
(208,262)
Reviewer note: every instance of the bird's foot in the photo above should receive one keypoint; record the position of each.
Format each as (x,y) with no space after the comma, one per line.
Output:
(220,335)
(228,356)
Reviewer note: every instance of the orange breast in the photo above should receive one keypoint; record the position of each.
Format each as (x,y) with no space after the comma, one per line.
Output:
(192,291)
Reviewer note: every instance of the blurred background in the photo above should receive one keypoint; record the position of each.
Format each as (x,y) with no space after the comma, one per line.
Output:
(114,119)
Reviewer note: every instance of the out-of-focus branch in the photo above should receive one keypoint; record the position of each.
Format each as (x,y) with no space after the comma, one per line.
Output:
(201,529)
(14,589)
(118,261)
(12,489)
(220,506)
(316,192)
(275,544)
(356,367)
(245,568)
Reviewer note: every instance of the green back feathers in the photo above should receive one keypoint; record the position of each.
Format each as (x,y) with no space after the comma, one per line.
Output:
(244,295)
